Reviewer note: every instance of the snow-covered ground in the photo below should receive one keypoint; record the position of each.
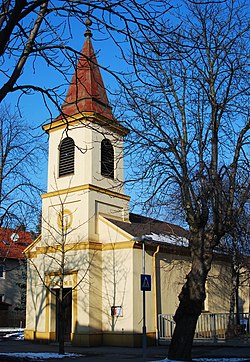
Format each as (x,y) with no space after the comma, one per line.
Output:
(10,333)
(45,356)
(208,360)
(17,334)
(40,356)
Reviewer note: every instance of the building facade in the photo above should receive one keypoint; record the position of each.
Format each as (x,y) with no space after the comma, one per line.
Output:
(13,276)
(90,244)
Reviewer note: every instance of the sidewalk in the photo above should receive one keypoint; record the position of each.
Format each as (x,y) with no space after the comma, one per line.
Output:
(126,354)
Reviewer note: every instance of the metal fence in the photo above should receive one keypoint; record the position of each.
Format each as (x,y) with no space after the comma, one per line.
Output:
(210,326)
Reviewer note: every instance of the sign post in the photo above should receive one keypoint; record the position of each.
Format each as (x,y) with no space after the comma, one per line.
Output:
(146,282)
(145,286)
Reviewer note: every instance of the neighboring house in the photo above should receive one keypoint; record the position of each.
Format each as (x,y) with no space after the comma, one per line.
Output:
(13,276)
(89,237)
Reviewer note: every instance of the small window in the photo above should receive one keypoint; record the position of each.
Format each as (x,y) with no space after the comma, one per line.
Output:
(2,298)
(67,157)
(107,158)
(2,271)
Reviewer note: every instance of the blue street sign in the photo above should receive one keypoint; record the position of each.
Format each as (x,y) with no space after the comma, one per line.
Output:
(146,282)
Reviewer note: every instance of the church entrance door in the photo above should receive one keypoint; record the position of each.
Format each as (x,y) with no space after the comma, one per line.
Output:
(67,301)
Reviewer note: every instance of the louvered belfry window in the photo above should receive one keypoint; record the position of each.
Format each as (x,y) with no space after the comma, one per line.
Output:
(107,159)
(67,157)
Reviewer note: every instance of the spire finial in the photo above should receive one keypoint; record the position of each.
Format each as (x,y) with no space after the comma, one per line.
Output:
(88,23)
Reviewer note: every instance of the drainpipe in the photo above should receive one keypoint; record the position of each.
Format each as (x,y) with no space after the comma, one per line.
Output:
(144,328)
(155,292)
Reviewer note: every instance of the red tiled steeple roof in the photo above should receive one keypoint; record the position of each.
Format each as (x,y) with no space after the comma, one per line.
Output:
(87,92)
(13,243)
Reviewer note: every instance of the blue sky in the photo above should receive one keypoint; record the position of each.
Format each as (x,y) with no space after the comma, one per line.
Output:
(32,108)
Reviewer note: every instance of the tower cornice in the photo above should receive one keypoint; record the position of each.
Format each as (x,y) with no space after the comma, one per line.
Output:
(83,118)
(87,187)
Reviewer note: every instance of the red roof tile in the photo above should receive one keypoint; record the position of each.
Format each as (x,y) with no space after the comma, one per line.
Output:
(13,243)
(87,92)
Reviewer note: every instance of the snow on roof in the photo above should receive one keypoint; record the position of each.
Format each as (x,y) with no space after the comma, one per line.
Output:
(153,230)
(168,239)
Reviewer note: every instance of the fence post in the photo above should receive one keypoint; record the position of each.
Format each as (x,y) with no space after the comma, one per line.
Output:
(213,327)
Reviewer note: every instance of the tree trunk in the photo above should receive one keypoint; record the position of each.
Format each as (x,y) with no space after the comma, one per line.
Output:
(191,299)
(181,344)
(61,329)
(185,318)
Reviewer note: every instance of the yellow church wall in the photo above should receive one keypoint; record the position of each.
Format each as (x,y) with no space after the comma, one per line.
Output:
(69,207)
(244,302)
(121,288)
(36,303)
(86,289)
(110,276)
(137,271)
(81,208)
(83,139)
(117,281)
(110,205)
(244,290)
(171,271)
(102,263)
(138,294)
(87,154)
(36,299)
(116,184)
(95,291)
(110,233)
(117,277)
(218,287)
(122,268)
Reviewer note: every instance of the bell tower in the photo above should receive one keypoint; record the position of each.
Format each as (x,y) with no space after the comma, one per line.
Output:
(85,162)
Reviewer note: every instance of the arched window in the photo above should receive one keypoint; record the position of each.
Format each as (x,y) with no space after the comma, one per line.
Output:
(66,157)
(107,159)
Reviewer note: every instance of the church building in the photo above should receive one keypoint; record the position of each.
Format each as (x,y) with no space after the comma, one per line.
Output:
(91,245)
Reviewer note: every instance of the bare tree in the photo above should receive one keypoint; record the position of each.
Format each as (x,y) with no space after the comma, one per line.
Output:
(189,112)
(20,157)
(236,246)
(37,34)
(60,240)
